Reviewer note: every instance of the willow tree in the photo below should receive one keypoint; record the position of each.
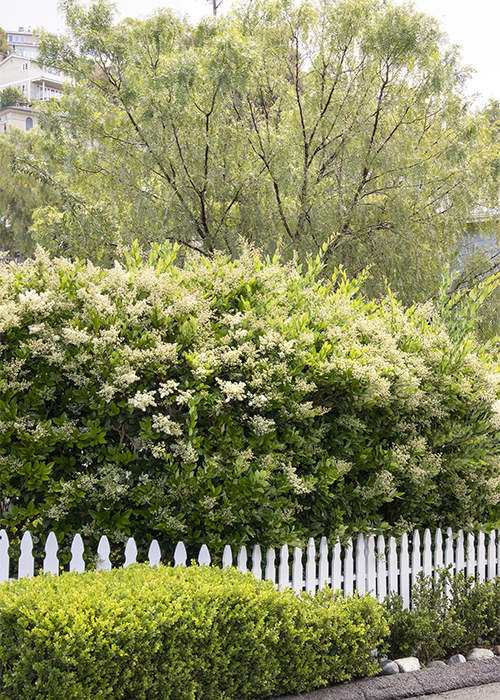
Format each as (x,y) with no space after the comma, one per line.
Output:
(281,123)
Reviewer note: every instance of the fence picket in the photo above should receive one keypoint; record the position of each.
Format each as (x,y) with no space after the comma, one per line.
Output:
(481,557)
(381,569)
(492,556)
(270,566)
(471,555)
(242,560)
(51,562)
(154,554)
(180,555)
(26,560)
(323,564)
(103,551)
(416,557)
(4,557)
(311,567)
(404,575)
(448,552)
(284,572)
(77,564)
(337,567)
(204,556)
(460,552)
(257,562)
(360,565)
(130,552)
(348,569)
(227,557)
(371,571)
(427,555)
(392,565)
(438,552)
(297,582)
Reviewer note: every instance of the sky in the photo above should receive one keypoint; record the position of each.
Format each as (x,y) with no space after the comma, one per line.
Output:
(472,25)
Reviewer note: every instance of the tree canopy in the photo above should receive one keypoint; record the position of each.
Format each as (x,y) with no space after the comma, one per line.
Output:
(10,95)
(279,124)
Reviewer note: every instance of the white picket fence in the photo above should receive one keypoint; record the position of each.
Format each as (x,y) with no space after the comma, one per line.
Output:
(369,564)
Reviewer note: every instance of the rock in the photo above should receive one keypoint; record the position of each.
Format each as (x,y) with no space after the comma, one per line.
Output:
(478,654)
(411,663)
(388,667)
(496,649)
(436,664)
(457,659)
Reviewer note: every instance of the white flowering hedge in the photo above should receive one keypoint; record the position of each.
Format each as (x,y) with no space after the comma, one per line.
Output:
(233,402)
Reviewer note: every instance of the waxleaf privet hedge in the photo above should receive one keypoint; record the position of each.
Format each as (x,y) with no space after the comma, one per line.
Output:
(178,634)
(235,402)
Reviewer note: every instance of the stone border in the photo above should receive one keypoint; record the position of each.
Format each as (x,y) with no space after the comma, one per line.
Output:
(410,685)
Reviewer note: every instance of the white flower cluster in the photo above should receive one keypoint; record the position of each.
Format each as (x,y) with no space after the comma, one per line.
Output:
(142,400)
(234,391)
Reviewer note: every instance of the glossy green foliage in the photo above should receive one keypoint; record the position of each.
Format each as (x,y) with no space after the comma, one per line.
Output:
(234,402)
(178,634)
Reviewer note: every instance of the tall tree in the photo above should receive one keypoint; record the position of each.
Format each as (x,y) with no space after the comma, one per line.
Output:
(281,124)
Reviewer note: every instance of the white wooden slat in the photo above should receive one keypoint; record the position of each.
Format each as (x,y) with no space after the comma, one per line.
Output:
(337,567)
(227,557)
(270,572)
(130,552)
(416,557)
(77,563)
(427,554)
(460,552)
(26,560)
(154,554)
(371,567)
(348,569)
(323,564)
(381,569)
(492,556)
(242,560)
(297,572)
(284,571)
(257,562)
(404,574)
(360,565)
(471,554)
(392,565)
(438,552)
(4,556)
(448,551)
(103,552)
(51,562)
(204,556)
(311,567)
(481,557)
(180,555)
(498,551)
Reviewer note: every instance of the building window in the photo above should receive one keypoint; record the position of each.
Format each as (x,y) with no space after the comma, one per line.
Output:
(25,66)
(29,123)
(21,38)
(10,37)
(16,38)
(25,88)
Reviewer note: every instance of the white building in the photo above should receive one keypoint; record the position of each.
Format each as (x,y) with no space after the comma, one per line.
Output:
(34,81)
(17,117)
(23,43)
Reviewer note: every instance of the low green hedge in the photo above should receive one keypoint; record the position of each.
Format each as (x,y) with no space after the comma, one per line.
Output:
(177,634)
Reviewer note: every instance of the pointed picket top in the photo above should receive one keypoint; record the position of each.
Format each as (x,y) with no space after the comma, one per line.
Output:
(427,557)
(270,572)
(242,560)
(4,556)
(154,554)
(227,557)
(404,575)
(371,567)
(311,567)
(416,557)
(283,573)
(381,569)
(180,555)
(103,552)
(323,564)
(130,552)
(204,556)
(51,562)
(257,562)
(492,556)
(448,550)
(460,553)
(471,554)
(481,557)
(337,567)
(438,552)
(297,580)
(26,561)
(77,563)
(360,565)
(392,565)
(348,569)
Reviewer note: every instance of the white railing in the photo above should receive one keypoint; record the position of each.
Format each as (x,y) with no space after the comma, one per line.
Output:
(370,564)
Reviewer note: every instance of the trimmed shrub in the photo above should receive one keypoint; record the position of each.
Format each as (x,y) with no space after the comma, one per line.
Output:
(177,634)
(233,403)
(449,615)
